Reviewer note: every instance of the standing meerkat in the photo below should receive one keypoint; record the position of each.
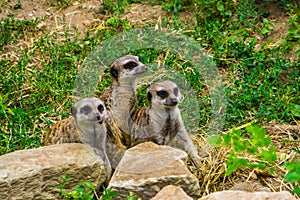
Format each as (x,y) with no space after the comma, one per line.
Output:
(121,96)
(161,122)
(86,125)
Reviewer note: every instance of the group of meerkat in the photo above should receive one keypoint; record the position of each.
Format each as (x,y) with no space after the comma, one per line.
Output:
(110,123)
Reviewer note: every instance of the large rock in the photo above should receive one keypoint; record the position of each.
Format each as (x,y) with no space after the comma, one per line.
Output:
(36,173)
(146,168)
(172,192)
(242,195)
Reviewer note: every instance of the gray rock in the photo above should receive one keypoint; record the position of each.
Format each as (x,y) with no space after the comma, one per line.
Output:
(146,168)
(172,192)
(36,173)
(242,195)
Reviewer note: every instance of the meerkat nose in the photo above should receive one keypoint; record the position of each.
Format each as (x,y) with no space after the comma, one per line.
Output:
(98,116)
(145,67)
(174,100)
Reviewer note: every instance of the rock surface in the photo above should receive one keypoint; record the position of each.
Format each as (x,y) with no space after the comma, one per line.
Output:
(36,173)
(146,168)
(250,186)
(242,195)
(172,192)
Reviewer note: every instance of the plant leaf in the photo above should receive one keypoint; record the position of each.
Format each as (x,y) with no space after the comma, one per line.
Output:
(214,140)
(292,177)
(220,6)
(264,31)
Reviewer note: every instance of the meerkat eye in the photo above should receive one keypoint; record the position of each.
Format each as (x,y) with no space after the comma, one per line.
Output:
(86,109)
(130,65)
(101,108)
(175,91)
(162,93)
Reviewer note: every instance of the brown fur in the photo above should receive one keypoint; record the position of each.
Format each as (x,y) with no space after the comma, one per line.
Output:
(64,131)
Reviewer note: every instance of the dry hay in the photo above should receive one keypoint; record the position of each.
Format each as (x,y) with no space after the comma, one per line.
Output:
(212,176)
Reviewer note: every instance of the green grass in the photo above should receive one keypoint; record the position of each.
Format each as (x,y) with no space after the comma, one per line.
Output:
(37,78)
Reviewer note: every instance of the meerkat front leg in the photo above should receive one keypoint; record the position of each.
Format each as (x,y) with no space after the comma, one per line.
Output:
(183,141)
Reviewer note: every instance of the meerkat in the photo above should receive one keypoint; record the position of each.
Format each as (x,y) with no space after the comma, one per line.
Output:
(86,125)
(120,99)
(121,96)
(161,122)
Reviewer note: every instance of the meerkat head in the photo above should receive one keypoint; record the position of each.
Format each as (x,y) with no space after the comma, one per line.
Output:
(164,94)
(89,111)
(127,68)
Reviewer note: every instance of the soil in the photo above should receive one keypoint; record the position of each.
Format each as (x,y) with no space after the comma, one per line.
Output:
(278,17)
(85,15)
(80,15)
(143,14)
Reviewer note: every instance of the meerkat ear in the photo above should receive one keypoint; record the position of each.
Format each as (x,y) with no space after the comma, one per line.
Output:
(114,72)
(73,111)
(149,96)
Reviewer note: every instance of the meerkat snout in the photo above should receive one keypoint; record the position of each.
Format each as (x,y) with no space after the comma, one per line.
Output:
(89,110)
(164,93)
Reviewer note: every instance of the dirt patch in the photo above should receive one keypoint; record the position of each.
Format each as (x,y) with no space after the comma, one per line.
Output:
(143,14)
(79,15)
(26,10)
(188,17)
(54,18)
(279,19)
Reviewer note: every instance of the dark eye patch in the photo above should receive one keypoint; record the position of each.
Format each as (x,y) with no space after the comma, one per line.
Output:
(175,91)
(85,109)
(163,94)
(100,108)
(130,65)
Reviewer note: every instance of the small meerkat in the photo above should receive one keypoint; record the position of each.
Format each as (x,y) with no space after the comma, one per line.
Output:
(86,125)
(161,122)
(121,96)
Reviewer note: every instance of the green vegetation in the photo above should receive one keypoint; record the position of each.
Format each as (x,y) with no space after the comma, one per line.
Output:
(293,175)
(87,191)
(38,69)
(84,190)
(250,148)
